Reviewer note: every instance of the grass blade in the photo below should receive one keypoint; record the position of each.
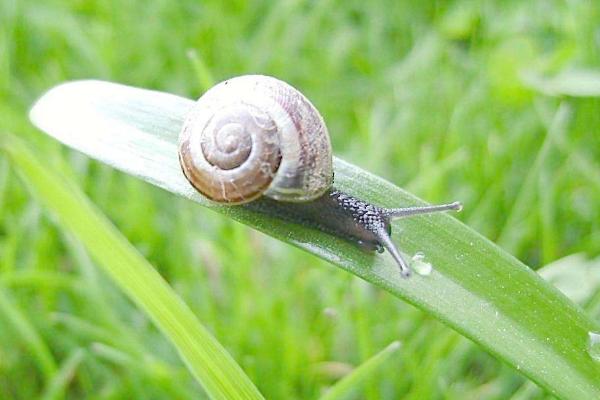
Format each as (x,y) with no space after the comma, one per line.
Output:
(210,363)
(576,83)
(575,275)
(57,386)
(29,336)
(475,287)
(350,383)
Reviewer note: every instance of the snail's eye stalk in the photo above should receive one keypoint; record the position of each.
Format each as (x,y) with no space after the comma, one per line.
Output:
(410,211)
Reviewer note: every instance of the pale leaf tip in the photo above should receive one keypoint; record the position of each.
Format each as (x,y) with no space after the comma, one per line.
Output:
(56,101)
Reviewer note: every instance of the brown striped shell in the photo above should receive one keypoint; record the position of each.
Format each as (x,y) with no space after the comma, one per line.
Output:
(255,135)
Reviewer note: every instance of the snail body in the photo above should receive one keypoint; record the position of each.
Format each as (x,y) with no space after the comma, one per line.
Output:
(258,142)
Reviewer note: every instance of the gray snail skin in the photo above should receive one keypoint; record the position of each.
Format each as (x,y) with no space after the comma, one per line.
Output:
(257,142)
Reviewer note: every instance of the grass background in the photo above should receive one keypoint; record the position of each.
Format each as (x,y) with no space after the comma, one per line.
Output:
(432,96)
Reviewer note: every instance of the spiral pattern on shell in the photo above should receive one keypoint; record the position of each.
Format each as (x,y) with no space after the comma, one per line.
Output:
(254,135)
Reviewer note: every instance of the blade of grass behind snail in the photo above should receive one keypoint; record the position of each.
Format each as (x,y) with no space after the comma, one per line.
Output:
(207,360)
(474,287)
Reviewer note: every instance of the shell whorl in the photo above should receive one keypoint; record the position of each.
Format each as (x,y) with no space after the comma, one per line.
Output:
(255,135)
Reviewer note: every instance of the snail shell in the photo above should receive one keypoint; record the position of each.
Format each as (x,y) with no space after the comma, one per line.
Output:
(255,135)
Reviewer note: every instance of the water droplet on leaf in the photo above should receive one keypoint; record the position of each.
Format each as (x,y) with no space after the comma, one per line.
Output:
(594,345)
(419,265)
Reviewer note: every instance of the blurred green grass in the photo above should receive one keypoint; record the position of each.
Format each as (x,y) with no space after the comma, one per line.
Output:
(430,95)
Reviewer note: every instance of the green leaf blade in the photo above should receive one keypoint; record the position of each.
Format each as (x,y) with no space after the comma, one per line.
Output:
(475,287)
(352,381)
(208,361)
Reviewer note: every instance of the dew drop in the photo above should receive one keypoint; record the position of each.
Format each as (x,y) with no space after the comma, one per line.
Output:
(594,345)
(419,265)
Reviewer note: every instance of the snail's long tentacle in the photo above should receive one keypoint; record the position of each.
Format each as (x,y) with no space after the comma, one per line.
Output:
(409,211)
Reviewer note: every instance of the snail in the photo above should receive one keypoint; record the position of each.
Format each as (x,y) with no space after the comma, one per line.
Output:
(257,142)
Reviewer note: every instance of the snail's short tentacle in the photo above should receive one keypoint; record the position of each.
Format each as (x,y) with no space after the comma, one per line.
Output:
(386,241)
(409,211)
